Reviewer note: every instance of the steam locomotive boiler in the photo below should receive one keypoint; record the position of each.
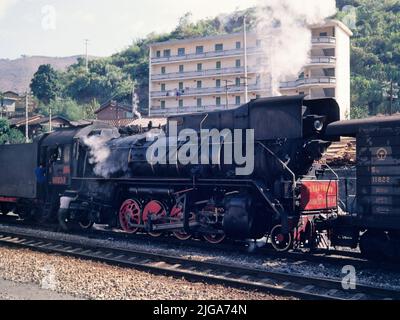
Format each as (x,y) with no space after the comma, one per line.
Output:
(144,183)
(279,195)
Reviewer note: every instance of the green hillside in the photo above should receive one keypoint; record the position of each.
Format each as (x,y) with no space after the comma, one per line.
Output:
(375,58)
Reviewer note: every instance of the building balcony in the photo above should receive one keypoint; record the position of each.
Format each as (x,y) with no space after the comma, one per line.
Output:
(309,82)
(205,55)
(157,111)
(328,42)
(205,91)
(323,62)
(201,74)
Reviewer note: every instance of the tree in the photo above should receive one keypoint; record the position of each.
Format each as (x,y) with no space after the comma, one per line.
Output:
(8,135)
(103,82)
(66,108)
(1,104)
(45,84)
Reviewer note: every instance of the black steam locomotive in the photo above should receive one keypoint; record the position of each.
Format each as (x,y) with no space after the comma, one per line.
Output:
(93,174)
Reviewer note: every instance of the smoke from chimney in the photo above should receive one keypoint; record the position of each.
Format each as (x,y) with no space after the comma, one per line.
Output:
(283,27)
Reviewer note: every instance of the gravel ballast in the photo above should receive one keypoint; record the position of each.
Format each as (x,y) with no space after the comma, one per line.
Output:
(366,276)
(84,279)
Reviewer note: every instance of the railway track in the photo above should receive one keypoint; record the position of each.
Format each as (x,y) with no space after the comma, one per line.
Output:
(210,272)
(332,257)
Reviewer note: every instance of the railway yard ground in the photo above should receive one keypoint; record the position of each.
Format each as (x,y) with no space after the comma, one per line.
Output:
(29,275)
(66,276)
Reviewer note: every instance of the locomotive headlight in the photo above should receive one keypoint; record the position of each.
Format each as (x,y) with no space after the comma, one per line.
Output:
(318,125)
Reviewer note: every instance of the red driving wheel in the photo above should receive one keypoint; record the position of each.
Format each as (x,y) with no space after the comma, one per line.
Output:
(214,238)
(177,212)
(129,215)
(155,209)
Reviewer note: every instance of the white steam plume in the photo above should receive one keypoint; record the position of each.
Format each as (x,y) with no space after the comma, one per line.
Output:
(99,151)
(109,153)
(283,26)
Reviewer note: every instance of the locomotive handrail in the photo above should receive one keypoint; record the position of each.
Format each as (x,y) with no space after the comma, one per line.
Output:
(337,179)
(288,169)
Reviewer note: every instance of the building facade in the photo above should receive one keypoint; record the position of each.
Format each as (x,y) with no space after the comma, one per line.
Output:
(14,105)
(112,110)
(205,74)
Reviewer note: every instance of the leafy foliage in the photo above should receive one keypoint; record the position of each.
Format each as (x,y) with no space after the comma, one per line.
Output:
(45,84)
(374,60)
(8,135)
(375,54)
(70,109)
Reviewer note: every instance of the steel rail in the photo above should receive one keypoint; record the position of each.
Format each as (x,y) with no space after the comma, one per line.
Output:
(209,272)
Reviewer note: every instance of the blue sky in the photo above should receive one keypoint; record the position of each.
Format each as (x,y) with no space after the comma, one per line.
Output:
(59,27)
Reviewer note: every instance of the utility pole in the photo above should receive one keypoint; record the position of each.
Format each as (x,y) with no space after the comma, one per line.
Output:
(50,120)
(226,93)
(150,80)
(391,97)
(86,55)
(27,117)
(246,84)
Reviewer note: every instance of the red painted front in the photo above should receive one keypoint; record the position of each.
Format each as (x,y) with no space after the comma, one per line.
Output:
(319,195)
(6,199)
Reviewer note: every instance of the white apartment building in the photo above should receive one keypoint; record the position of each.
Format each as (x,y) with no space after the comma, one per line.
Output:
(205,74)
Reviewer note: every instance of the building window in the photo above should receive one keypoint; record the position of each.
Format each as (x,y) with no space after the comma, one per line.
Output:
(218,83)
(158,54)
(199,49)
(258,43)
(237,82)
(238,45)
(163,87)
(180,103)
(181,51)
(199,102)
(163,70)
(180,85)
(181,68)
(199,67)
(323,34)
(237,100)
(258,96)
(301,93)
(218,101)
(162,104)
(219,47)
(218,65)
(238,63)
(199,84)
(167,53)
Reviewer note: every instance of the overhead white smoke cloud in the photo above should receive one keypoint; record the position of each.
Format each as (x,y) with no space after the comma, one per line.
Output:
(283,25)
(5,5)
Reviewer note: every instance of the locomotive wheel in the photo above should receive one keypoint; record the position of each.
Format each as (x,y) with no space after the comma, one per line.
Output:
(64,221)
(154,209)
(86,223)
(129,214)
(177,212)
(281,242)
(215,238)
